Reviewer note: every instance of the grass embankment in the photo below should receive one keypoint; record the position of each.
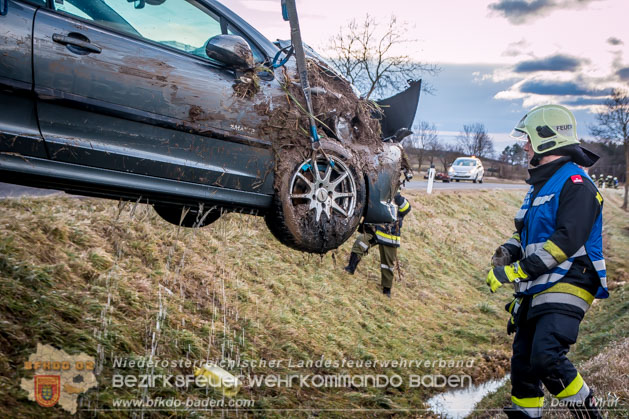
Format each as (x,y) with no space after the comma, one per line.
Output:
(600,353)
(79,273)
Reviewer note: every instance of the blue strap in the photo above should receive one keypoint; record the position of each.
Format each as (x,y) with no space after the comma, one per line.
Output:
(286,50)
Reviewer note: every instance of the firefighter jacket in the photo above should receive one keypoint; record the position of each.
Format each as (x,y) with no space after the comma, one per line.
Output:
(559,241)
(389,234)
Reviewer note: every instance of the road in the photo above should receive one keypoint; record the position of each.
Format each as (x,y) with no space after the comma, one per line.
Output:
(464,186)
(14,191)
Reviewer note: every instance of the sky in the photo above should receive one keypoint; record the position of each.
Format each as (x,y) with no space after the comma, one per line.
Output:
(498,58)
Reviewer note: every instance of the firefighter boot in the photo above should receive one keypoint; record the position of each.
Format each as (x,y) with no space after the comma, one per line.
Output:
(586,409)
(386,291)
(352,264)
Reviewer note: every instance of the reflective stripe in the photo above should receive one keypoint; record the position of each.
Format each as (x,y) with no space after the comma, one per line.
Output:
(570,289)
(513,242)
(383,266)
(363,245)
(576,391)
(516,236)
(599,197)
(532,248)
(549,260)
(580,252)
(599,265)
(404,206)
(604,282)
(531,406)
(555,251)
(388,238)
(560,298)
(528,401)
(541,200)
(520,215)
(542,280)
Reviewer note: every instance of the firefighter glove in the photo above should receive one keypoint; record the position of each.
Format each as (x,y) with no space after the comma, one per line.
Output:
(504,274)
(501,257)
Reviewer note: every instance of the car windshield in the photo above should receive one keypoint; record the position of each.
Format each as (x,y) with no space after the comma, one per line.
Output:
(464,162)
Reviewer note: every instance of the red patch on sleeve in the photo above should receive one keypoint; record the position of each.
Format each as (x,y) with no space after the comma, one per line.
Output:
(576,179)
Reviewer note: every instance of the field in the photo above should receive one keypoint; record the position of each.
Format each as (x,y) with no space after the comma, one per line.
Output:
(112,280)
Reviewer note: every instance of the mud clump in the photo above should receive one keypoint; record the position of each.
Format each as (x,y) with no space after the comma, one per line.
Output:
(338,113)
(247,85)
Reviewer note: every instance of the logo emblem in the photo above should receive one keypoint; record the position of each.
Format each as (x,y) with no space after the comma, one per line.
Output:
(576,179)
(47,390)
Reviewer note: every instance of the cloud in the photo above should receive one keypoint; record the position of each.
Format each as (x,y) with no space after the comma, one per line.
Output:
(553,63)
(612,40)
(623,73)
(559,88)
(516,48)
(520,11)
(584,102)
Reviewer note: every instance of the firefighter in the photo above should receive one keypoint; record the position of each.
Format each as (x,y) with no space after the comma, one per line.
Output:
(615,182)
(555,263)
(387,237)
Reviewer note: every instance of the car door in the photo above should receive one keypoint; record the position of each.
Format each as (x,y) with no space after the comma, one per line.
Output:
(18,122)
(128,87)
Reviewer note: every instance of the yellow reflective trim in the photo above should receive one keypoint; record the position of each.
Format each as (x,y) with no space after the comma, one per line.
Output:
(599,197)
(528,401)
(510,310)
(569,289)
(516,236)
(405,207)
(573,388)
(387,236)
(554,250)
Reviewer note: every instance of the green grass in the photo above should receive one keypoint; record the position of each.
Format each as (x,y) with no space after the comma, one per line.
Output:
(231,290)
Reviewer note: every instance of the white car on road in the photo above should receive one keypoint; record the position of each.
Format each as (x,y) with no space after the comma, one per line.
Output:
(467,168)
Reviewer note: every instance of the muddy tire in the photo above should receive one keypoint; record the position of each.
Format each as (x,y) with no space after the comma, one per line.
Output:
(317,210)
(192,218)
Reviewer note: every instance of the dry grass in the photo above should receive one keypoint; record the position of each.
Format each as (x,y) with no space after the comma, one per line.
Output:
(231,290)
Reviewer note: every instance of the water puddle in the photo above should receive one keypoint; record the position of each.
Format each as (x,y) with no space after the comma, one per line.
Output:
(457,404)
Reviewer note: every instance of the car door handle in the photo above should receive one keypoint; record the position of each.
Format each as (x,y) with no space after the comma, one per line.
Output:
(70,40)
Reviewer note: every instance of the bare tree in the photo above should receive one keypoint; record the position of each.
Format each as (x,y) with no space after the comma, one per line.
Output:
(613,126)
(365,53)
(475,141)
(425,138)
(447,154)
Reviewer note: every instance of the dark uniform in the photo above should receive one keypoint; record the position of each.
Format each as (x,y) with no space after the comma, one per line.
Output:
(550,305)
(387,237)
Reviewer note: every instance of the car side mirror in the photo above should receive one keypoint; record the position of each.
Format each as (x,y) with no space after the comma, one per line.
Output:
(231,50)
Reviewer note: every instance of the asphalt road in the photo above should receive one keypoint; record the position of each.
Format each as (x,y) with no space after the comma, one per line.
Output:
(464,186)
(14,191)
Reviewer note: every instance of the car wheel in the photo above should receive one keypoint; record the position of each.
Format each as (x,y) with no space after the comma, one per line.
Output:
(480,180)
(192,216)
(316,209)
(457,179)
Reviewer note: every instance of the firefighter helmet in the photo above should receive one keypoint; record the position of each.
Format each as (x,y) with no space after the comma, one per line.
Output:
(549,127)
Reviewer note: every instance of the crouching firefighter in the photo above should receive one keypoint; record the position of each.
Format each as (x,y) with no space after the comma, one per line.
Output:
(555,263)
(387,237)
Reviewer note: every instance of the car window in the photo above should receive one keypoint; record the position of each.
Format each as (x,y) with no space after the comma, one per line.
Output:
(184,25)
(464,162)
